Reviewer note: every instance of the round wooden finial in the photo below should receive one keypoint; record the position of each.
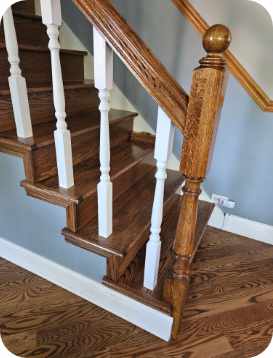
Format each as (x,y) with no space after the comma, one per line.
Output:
(217,39)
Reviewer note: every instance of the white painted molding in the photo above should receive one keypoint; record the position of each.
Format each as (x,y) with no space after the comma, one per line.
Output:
(145,317)
(17,83)
(52,18)
(103,73)
(163,148)
(238,225)
(251,229)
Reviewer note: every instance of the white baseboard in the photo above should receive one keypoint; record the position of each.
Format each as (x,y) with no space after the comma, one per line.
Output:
(238,225)
(147,318)
(252,229)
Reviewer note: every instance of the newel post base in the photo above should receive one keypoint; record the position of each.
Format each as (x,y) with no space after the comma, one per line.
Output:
(176,286)
(176,290)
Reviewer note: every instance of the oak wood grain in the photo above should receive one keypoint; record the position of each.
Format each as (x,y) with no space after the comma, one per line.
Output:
(205,103)
(81,98)
(24,7)
(131,282)
(85,142)
(36,65)
(39,319)
(143,137)
(81,200)
(129,222)
(133,177)
(29,30)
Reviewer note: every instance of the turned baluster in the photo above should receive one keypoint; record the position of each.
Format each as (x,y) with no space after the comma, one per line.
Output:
(163,147)
(103,73)
(202,119)
(52,18)
(17,83)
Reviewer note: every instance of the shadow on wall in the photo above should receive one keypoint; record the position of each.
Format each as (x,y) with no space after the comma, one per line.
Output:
(242,167)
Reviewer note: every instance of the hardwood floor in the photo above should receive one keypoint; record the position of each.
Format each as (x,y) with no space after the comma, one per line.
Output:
(229,312)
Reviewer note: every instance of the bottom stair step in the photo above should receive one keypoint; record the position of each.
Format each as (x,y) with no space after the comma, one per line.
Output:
(131,220)
(131,283)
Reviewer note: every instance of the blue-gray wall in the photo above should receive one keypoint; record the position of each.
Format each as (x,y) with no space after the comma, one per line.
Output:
(242,167)
(36,225)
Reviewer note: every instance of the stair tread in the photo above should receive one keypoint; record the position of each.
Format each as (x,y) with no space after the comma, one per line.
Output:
(131,283)
(87,173)
(36,87)
(43,132)
(25,7)
(29,30)
(131,216)
(26,16)
(45,49)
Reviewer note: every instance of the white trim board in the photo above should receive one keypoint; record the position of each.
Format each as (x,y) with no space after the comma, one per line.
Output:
(238,225)
(145,317)
(252,229)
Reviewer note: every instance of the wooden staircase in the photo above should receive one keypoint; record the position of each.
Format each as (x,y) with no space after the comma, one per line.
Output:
(132,165)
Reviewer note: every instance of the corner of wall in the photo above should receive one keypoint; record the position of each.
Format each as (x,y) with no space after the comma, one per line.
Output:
(217,218)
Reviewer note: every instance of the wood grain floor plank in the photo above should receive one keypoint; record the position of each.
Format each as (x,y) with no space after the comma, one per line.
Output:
(207,348)
(229,313)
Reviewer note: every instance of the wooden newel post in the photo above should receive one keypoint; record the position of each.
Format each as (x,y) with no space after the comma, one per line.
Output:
(206,99)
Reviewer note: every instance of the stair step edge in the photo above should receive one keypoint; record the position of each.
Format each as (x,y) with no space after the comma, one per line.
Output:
(47,87)
(28,144)
(80,132)
(27,16)
(102,249)
(161,306)
(94,247)
(146,296)
(31,48)
(40,191)
(75,239)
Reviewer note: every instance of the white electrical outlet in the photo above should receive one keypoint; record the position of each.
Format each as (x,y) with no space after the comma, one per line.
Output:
(223,201)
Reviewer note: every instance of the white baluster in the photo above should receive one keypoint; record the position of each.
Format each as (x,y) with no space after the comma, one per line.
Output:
(163,147)
(103,73)
(52,18)
(17,83)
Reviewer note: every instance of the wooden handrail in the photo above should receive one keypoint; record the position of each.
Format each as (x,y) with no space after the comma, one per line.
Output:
(138,58)
(242,75)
